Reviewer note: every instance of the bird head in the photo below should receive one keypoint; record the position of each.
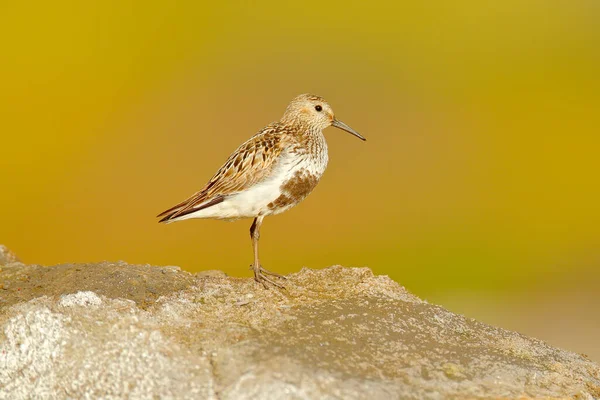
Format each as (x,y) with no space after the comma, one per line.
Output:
(315,112)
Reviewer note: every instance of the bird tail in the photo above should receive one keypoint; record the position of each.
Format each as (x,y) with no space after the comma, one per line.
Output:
(186,207)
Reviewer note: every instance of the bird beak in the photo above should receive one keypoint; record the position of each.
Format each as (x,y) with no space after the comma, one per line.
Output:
(344,127)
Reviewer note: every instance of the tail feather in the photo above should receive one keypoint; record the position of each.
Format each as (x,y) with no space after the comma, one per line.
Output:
(187,207)
(174,208)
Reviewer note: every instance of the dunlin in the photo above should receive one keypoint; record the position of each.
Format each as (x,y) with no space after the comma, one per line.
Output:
(268,174)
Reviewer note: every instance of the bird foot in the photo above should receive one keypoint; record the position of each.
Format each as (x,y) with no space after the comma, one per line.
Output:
(266,271)
(260,277)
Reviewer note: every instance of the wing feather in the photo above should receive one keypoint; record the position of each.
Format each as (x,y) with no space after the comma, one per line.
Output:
(251,163)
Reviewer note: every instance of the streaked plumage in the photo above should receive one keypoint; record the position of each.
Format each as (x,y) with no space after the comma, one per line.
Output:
(271,172)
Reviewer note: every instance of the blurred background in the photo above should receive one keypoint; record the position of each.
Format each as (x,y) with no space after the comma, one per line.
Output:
(477,188)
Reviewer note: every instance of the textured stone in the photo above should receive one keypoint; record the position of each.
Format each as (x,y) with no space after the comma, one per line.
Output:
(114,330)
(7,256)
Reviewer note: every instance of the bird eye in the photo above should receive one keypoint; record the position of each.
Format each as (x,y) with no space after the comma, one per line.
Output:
(318,108)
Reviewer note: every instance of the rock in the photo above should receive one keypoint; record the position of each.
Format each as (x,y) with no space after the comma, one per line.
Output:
(115,330)
(7,256)
(140,283)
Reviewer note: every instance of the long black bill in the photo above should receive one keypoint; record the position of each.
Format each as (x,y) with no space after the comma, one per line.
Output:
(344,127)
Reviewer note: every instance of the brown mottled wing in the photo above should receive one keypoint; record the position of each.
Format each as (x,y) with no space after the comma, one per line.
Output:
(247,166)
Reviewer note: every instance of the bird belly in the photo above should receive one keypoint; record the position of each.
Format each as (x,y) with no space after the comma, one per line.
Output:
(294,185)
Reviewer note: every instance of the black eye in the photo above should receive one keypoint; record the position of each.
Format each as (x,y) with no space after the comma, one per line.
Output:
(318,108)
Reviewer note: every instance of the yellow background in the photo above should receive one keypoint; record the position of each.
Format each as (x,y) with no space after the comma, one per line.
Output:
(477,188)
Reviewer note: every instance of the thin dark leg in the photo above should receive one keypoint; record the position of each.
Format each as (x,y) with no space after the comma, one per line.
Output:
(255,235)
(259,271)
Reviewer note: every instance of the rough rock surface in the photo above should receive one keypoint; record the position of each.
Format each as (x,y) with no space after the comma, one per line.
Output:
(114,330)
(7,256)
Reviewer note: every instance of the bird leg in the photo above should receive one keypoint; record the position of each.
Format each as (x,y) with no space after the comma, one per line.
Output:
(259,271)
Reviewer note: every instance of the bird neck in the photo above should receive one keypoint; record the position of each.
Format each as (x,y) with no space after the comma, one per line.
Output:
(313,141)
(301,128)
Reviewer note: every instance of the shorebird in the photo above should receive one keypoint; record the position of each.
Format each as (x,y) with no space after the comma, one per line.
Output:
(268,174)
